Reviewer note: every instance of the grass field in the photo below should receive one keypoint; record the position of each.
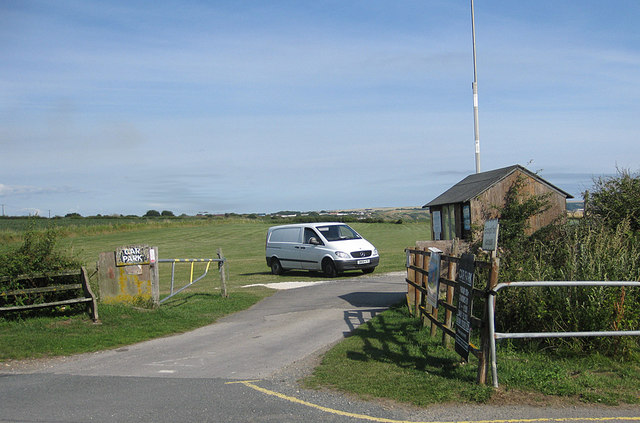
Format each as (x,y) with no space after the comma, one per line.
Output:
(242,242)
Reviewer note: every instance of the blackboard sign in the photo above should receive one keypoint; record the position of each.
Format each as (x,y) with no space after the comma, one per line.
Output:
(465,302)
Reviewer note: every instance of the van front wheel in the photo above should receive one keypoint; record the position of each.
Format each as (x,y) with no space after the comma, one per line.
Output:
(329,268)
(276,267)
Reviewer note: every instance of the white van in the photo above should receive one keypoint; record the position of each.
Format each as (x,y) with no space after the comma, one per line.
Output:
(331,247)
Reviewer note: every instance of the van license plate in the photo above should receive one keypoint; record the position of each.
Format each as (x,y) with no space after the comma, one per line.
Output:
(367,261)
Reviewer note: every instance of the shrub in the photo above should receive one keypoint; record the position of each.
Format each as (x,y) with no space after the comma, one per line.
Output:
(37,254)
(615,199)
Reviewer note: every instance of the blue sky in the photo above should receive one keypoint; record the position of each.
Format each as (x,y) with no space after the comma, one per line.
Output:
(254,106)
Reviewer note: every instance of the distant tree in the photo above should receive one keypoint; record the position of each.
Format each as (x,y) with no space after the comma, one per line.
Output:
(167,213)
(152,213)
(73,215)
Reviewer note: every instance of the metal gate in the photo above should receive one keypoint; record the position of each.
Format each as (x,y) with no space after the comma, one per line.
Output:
(221,260)
(493,335)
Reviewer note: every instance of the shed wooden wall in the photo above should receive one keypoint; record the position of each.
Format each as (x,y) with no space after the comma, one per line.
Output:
(482,206)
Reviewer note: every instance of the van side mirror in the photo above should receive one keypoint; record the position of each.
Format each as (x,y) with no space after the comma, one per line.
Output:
(314,241)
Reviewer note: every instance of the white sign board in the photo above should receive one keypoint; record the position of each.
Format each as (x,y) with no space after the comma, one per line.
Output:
(490,237)
(433,279)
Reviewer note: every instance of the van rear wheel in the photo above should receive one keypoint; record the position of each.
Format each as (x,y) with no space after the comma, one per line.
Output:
(276,267)
(329,268)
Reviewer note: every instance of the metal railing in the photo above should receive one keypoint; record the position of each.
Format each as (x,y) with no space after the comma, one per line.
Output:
(221,261)
(493,335)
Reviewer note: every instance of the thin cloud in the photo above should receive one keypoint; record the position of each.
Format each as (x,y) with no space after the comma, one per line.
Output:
(273,105)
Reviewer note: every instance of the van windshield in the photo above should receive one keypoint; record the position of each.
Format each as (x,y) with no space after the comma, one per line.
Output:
(338,232)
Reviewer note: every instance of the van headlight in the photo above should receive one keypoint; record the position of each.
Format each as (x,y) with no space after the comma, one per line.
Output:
(375,251)
(342,255)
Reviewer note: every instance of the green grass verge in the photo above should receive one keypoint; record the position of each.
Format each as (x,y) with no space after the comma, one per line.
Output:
(46,336)
(394,357)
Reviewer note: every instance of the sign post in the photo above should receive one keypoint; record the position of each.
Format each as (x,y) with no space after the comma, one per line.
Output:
(489,243)
(129,274)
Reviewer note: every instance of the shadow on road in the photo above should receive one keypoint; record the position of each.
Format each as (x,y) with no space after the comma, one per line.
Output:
(355,318)
(379,300)
(373,299)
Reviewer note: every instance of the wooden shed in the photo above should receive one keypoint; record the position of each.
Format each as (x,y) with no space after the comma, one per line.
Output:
(477,197)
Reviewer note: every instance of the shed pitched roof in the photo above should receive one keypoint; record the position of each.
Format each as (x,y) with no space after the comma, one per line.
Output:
(476,184)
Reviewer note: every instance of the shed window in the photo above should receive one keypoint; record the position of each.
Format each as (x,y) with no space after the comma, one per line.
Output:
(448,221)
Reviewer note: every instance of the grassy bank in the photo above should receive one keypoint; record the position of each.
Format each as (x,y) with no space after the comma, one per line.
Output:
(120,325)
(393,357)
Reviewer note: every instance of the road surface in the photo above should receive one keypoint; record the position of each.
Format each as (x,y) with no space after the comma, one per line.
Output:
(243,368)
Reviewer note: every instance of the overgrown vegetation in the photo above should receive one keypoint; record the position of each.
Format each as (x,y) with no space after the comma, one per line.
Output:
(615,200)
(603,246)
(34,261)
(37,254)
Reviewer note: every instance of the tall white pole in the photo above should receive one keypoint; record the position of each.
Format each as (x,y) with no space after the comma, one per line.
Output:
(475,91)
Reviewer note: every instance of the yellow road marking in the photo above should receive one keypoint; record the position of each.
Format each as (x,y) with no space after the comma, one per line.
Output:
(250,384)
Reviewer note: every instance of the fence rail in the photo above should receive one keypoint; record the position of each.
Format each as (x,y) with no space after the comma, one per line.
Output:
(57,286)
(493,335)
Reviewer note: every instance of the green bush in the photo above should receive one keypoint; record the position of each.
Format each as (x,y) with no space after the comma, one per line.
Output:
(615,199)
(36,255)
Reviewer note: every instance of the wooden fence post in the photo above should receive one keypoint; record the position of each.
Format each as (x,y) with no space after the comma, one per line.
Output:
(451,275)
(420,282)
(411,276)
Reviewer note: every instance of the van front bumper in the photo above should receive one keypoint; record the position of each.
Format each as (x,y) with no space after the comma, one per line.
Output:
(356,264)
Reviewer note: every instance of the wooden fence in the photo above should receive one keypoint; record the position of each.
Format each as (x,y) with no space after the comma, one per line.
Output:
(53,290)
(485,276)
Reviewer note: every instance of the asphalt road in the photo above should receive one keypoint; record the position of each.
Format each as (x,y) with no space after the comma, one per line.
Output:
(244,368)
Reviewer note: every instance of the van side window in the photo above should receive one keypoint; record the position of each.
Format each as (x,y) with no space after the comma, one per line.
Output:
(285,235)
(310,233)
